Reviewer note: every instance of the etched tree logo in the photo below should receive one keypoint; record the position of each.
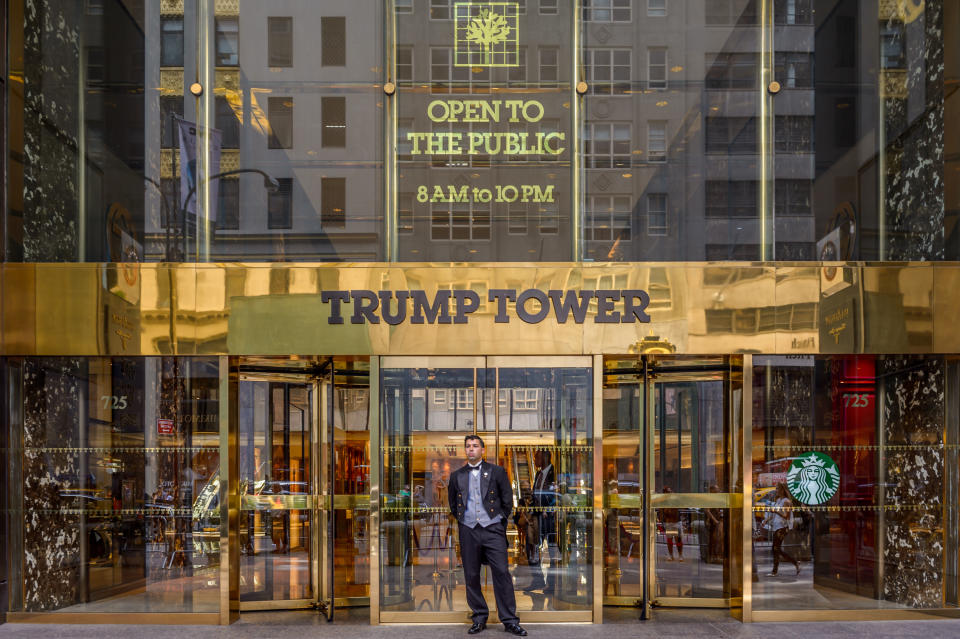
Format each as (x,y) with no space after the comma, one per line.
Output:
(487,30)
(487,34)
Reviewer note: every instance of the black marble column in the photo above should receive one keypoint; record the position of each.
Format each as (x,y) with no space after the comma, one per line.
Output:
(53,391)
(51,65)
(913,426)
(914,124)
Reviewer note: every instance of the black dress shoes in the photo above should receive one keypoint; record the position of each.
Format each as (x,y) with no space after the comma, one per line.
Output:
(515,629)
(478,626)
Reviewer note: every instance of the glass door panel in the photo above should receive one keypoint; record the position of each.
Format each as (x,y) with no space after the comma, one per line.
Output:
(426,412)
(545,420)
(276,486)
(691,480)
(623,407)
(351,481)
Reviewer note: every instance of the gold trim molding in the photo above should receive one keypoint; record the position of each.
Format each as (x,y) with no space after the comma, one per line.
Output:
(276,309)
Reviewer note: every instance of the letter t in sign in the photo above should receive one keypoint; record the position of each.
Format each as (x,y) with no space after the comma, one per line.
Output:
(334,298)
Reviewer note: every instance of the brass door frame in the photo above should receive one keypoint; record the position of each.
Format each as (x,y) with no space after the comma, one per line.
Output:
(317,497)
(595,363)
(732,502)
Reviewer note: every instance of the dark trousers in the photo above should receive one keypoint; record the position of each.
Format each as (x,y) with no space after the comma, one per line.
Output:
(778,537)
(487,545)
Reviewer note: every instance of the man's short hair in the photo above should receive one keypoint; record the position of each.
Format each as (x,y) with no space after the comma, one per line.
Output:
(476,437)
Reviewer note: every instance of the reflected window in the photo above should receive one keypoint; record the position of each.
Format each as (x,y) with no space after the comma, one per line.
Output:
(606,10)
(228,209)
(280,114)
(228,122)
(608,218)
(549,219)
(607,145)
(794,70)
(94,7)
(333,41)
(731,12)
(790,12)
(280,205)
(171,42)
(732,136)
(404,65)
(793,197)
(892,46)
(171,108)
(334,119)
(445,77)
(548,7)
(657,68)
(403,6)
(657,214)
(607,71)
(228,42)
(518,74)
(732,70)
(333,202)
(731,198)
(441,9)
(405,214)
(170,188)
(657,141)
(549,64)
(280,42)
(96,71)
(793,134)
(656,8)
(517,219)
(459,221)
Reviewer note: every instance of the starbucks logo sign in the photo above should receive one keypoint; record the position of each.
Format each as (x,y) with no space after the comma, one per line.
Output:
(813,478)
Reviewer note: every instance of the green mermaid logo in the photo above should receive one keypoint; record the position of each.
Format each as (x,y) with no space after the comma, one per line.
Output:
(813,478)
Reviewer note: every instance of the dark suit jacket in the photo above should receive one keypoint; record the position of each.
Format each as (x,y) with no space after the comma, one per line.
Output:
(494,489)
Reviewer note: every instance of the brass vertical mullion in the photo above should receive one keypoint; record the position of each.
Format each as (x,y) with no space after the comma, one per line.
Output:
(389,123)
(576,230)
(646,452)
(229,493)
(317,489)
(376,458)
(597,442)
(746,439)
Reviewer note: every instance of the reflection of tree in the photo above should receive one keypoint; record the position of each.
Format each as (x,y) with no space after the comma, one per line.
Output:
(487,29)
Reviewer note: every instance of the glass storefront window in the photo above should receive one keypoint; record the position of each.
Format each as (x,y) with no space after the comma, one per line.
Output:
(119,508)
(854,482)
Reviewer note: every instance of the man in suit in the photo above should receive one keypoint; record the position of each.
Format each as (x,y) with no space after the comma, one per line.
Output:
(481,500)
(545,500)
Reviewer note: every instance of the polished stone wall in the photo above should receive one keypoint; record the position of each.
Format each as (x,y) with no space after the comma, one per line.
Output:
(51,129)
(914,122)
(53,400)
(913,427)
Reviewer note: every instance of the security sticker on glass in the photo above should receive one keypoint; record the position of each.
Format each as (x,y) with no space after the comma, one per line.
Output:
(487,34)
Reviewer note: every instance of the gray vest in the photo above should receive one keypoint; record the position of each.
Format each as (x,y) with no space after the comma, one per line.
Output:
(476,513)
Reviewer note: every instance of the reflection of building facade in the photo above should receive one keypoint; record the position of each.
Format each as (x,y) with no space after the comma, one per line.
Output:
(654,253)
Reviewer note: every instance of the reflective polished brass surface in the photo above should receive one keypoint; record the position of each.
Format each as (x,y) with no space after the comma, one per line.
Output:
(275,308)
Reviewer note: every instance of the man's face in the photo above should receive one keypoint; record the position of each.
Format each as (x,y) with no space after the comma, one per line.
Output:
(474,451)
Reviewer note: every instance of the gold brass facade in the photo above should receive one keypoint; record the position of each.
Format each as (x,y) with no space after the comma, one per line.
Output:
(255,309)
